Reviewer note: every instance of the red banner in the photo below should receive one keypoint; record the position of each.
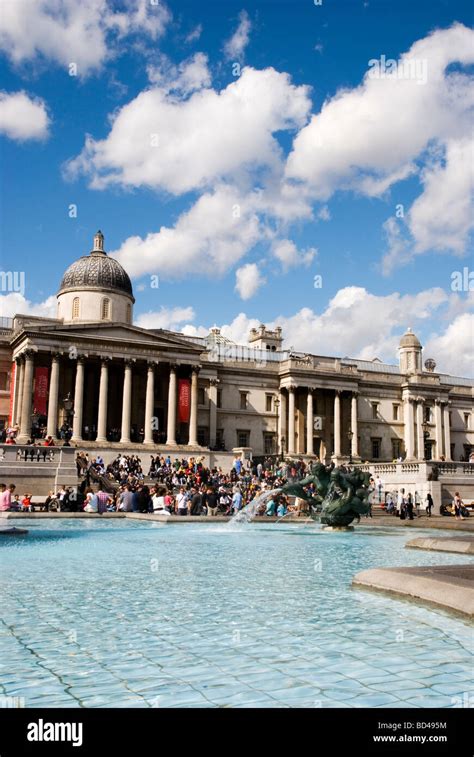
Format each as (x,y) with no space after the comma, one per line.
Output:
(41,390)
(12,394)
(184,400)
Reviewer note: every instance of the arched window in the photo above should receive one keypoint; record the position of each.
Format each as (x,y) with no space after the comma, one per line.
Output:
(75,307)
(129,313)
(105,315)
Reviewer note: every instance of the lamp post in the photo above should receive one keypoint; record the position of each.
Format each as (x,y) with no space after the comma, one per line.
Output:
(276,403)
(426,436)
(68,405)
(350,434)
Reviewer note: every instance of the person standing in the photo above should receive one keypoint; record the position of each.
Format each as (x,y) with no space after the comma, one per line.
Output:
(212,502)
(196,502)
(182,502)
(409,507)
(401,504)
(5,498)
(236,501)
(429,504)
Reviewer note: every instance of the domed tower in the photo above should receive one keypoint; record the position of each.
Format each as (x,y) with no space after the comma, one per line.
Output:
(96,288)
(410,353)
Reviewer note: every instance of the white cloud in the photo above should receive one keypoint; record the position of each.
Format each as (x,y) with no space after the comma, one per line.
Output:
(194,34)
(324,214)
(181,145)
(15,303)
(368,138)
(378,128)
(234,48)
(248,280)
(66,31)
(453,349)
(289,256)
(442,217)
(211,237)
(355,323)
(189,76)
(23,117)
(165,318)
(398,246)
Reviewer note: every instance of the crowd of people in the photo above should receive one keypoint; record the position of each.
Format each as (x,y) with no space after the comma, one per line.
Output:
(186,486)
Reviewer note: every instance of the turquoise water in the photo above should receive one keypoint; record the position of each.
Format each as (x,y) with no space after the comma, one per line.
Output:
(136,614)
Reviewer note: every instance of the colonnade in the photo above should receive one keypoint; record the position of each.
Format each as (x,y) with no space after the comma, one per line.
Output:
(24,399)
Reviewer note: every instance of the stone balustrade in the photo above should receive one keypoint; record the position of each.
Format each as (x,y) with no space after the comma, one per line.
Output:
(27,453)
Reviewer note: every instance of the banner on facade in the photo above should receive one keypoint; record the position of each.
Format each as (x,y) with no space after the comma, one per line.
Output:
(12,394)
(40,400)
(184,400)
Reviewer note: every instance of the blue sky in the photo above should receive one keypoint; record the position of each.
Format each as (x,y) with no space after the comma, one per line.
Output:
(315,155)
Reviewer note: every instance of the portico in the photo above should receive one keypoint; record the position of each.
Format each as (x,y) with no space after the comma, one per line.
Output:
(319,420)
(125,391)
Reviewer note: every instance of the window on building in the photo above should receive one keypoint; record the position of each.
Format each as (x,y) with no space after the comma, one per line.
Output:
(219,398)
(105,314)
(269,443)
(396,412)
(467,418)
(269,403)
(220,444)
(129,313)
(203,436)
(427,414)
(243,438)
(201,396)
(376,448)
(243,402)
(4,381)
(75,307)
(396,449)
(375,410)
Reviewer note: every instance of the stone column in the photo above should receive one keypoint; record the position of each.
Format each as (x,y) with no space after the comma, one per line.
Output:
(309,423)
(354,426)
(103,398)
(193,442)
(172,398)
(19,375)
(291,420)
(78,402)
(52,422)
(282,425)
(447,432)
(337,423)
(409,428)
(438,429)
(149,403)
(420,436)
(213,384)
(26,399)
(126,402)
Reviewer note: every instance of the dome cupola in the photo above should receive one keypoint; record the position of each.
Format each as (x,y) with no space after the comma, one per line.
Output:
(410,353)
(95,288)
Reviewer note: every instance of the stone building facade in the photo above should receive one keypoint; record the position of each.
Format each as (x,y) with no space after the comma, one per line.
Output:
(119,385)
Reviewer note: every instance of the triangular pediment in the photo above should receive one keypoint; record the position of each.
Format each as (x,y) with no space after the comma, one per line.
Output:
(117,332)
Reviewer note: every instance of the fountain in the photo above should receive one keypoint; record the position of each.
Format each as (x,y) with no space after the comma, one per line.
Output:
(338,497)
(249,511)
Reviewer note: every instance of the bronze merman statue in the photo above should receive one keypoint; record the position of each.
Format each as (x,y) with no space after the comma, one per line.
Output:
(339,496)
